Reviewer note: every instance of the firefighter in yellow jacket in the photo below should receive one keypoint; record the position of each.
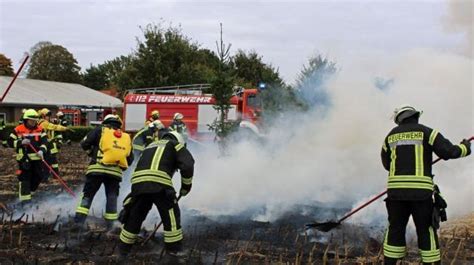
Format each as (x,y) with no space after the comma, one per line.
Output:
(110,151)
(51,130)
(407,153)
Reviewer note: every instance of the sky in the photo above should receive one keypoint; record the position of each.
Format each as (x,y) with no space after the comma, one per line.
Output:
(285,33)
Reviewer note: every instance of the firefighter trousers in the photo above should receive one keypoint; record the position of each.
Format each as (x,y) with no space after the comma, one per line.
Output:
(92,185)
(30,175)
(165,202)
(398,214)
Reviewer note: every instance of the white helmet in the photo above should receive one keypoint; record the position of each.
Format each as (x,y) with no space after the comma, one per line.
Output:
(60,113)
(178,116)
(112,118)
(157,125)
(403,112)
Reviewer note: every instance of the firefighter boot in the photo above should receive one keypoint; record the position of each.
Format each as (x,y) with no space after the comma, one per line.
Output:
(124,249)
(389,261)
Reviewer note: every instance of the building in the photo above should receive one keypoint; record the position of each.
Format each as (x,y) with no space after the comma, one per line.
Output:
(82,105)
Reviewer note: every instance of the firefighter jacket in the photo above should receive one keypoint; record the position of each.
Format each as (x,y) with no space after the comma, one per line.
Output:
(90,143)
(52,130)
(179,126)
(143,138)
(3,137)
(58,136)
(407,153)
(38,140)
(158,163)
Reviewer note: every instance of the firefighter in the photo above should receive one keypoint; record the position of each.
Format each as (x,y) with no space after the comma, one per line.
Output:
(30,172)
(103,167)
(151,184)
(52,131)
(407,154)
(178,125)
(61,120)
(154,116)
(3,138)
(145,136)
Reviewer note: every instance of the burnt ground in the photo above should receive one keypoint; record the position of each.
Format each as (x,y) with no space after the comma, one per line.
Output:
(25,239)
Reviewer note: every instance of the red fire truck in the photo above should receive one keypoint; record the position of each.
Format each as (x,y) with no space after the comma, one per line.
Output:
(193,103)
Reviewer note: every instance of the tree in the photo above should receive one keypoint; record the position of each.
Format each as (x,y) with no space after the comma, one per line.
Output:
(166,57)
(310,85)
(250,70)
(35,48)
(6,66)
(54,63)
(222,90)
(106,75)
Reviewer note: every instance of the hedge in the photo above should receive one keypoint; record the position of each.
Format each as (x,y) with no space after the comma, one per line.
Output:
(76,135)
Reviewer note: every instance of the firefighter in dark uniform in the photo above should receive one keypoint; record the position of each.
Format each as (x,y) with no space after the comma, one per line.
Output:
(59,136)
(178,125)
(407,153)
(151,184)
(31,170)
(98,174)
(3,137)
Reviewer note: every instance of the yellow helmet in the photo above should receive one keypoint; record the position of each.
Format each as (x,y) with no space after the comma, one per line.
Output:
(30,114)
(44,112)
(155,114)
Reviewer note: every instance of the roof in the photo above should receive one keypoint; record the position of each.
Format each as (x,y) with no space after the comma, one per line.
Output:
(40,92)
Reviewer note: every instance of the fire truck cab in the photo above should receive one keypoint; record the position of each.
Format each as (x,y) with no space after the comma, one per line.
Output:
(196,107)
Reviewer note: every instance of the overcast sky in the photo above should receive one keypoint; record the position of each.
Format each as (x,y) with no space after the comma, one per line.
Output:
(285,33)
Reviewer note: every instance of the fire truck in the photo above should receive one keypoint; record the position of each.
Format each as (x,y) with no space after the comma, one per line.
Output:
(194,104)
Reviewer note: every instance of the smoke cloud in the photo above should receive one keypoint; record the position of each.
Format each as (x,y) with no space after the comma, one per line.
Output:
(335,158)
(459,20)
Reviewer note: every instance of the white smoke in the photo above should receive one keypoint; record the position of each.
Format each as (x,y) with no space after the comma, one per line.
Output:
(337,157)
(459,20)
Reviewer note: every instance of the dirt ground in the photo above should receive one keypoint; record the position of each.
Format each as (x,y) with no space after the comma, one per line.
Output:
(227,240)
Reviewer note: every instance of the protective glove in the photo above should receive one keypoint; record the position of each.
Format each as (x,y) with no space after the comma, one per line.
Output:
(40,154)
(466,143)
(25,141)
(185,189)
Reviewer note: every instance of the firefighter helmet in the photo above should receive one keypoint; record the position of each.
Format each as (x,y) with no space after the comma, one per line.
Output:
(30,114)
(155,114)
(178,116)
(157,125)
(176,136)
(44,112)
(404,112)
(60,114)
(111,118)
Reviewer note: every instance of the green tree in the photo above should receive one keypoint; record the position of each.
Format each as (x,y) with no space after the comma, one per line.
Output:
(250,70)
(6,66)
(167,57)
(54,63)
(106,75)
(310,84)
(222,90)
(31,52)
